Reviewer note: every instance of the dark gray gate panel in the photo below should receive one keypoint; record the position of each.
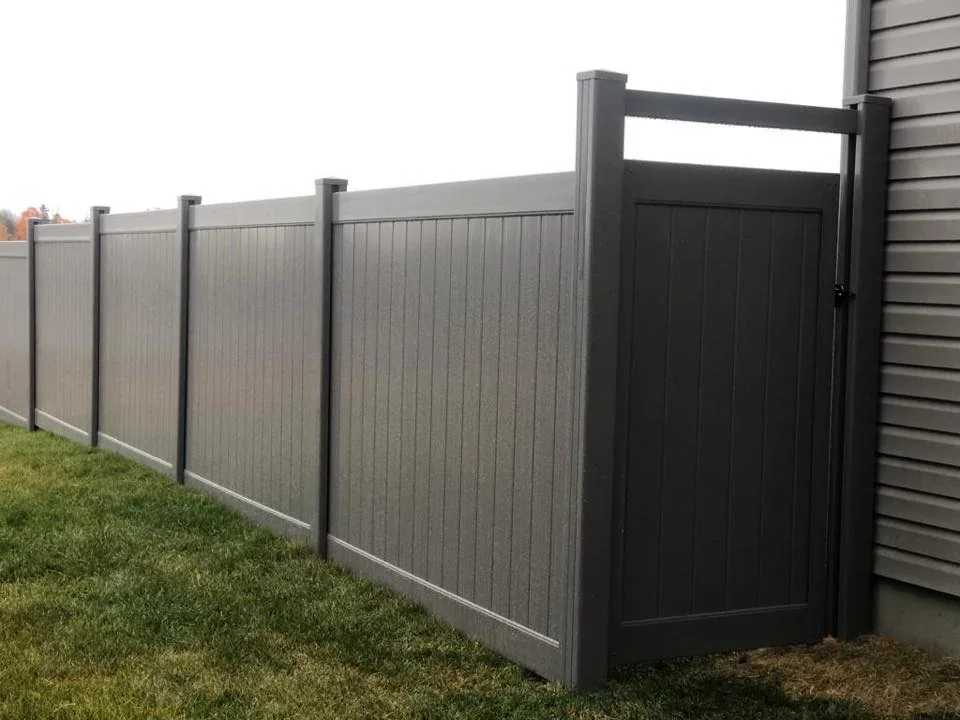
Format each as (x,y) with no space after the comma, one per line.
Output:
(64,324)
(253,386)
(726,360)
(139,276)
(14,334)
(451,403)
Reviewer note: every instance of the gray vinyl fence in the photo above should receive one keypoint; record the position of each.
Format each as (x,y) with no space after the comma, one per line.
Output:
(422,383)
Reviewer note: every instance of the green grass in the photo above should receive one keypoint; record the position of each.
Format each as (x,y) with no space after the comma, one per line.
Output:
(125,596)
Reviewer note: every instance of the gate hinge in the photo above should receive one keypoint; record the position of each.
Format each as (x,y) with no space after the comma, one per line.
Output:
(842,295)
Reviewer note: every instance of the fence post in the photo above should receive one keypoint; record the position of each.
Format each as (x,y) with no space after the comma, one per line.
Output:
(867,213)
(184,203)
(598,208)
(325,189)
(96,213)
(32,322)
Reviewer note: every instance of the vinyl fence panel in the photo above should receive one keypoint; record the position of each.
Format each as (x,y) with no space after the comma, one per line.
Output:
(14,334)
(452,395)
(64,290)
(139,295)
(253,379)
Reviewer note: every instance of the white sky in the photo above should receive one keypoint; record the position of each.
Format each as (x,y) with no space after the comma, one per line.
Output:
(130,104)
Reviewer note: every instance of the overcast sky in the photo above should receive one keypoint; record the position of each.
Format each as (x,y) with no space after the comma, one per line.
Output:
(130,104)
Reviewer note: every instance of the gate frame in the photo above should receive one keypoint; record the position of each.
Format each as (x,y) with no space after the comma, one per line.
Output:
(603,104)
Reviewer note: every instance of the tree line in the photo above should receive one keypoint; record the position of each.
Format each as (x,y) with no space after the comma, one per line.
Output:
(14,227)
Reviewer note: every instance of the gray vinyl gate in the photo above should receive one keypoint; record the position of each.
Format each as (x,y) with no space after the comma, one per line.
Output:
(726,347)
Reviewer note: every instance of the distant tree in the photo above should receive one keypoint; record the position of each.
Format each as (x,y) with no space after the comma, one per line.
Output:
(4,233)
(58,219)
(8,221)
(30,212)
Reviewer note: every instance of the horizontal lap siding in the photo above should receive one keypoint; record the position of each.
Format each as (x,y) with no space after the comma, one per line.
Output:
(253,386)
(14,336)
(139,320)
(452,383)
(915,59)
(64,325)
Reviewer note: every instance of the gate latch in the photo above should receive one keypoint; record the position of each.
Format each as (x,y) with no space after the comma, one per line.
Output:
(842,295)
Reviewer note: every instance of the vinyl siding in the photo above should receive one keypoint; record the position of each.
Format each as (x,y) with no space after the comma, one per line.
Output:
(915,60)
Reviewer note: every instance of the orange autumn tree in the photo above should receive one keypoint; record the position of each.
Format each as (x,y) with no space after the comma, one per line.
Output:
(4,233)
(30,212)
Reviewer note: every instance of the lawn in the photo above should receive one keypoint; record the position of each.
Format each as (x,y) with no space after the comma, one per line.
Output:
(125,596)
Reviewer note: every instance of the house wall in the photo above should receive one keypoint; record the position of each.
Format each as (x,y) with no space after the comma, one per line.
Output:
(914,59)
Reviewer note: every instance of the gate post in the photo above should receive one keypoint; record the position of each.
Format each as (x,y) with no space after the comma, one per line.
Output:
(96,213)
(325,189)
(32,322)
(867,210)
(184,203)
(598,203)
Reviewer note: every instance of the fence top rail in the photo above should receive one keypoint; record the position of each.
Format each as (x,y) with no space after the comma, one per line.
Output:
(13,249)
(751,113)
(522,195)
(139,222)
(68,232)
(300,210)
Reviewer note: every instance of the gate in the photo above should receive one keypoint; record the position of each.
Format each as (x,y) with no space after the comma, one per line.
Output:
(726,342)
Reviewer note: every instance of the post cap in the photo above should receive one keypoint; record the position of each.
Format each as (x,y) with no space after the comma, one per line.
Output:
(99,210)
(338,183)
(601,75)
(188,200)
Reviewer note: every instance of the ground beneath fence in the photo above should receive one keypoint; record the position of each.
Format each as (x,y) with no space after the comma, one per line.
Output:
(123,595)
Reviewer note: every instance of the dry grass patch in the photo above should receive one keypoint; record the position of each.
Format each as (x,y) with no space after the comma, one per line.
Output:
(889,678)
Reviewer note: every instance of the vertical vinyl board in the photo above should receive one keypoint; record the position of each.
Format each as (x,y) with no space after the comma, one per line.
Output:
(428,245)
(292,303)
(357,391)
(310,378)
(525,428)
(720,302)
(563,480)
(398,280)
(470,426)
(259,436)
(409,437)
(684,374)
(804,443)
(369,433)
(438,418)
(382,390)
(753,322)
(648,397)
(340,347)
(451,549)
(489,390)
(263,487)
(506,416)
(545,412)
(780,421)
